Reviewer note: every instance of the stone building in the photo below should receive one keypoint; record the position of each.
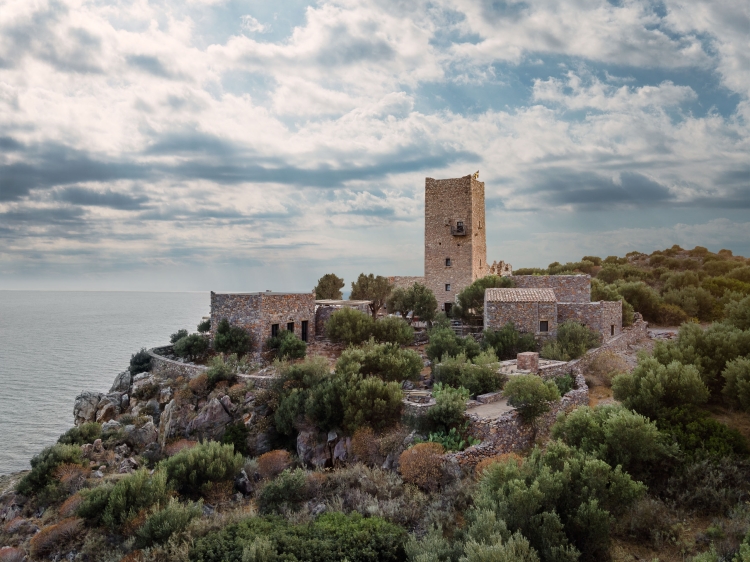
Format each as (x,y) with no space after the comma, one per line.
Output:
(265,314)
(539,303)
(455,242)
(325,307)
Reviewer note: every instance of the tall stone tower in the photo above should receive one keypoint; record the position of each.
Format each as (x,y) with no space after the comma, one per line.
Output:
(455,243)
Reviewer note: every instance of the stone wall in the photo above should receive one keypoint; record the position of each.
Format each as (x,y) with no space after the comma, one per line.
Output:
(508,433)
(605,317)
(524,315)
(629,336)
(568,288)
(168,368)
(404,282)
(323,313)
(257,312)
(446,203)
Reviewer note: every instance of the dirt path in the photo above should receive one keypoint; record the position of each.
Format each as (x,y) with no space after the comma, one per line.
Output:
(491,410)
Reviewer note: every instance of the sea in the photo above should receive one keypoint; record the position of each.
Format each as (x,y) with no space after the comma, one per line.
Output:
(55,344)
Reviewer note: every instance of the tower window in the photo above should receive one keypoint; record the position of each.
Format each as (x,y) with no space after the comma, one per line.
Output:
(612,327)
(274,330)
(448,262)
(447,286)
(544,326)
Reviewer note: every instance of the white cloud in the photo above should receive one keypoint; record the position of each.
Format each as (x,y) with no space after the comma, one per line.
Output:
(249,23)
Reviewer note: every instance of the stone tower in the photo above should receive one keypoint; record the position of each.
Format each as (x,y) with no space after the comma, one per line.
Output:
(455,243)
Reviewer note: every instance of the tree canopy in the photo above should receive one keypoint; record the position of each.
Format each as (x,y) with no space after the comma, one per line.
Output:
(417,299)
(371,288)
(470,302)
(329,287)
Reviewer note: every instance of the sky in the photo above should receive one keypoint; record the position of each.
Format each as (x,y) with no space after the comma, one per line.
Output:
(229,145)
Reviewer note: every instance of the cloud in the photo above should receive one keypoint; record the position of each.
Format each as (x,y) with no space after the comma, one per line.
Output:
(249,23)
(91,197)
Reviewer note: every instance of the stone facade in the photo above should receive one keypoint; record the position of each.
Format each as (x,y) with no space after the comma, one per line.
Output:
(605,317)
(170,369)
(455,253)
(528,361)
(324,309)
(500,268)
(258,313)
(527,309)
(568,288)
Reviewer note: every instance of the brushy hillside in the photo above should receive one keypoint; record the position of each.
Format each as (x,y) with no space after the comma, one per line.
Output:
(667,287)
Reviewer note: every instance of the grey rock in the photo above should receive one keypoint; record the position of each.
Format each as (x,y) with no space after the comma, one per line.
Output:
(107,413)
(318,509)
(98,447)
(141,437)
(339,451)
(332,436)
(407,385)
(122,450)
(227,403)
(85,407)
(111,425)
(128,465)
(122,382)
(321,456)
(244,484)
(124,402)
(210,421)
(165,395)
(306,441)
(97,474)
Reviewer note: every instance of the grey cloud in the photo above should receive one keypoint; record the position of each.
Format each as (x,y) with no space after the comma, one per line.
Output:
(149,64)
(495,10)
(108,198)
(343,49)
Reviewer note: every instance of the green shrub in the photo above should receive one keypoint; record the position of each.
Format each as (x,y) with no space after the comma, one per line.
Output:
(287,491)
(372,402)
(741,274)
(530,395)
(643,299)
(82,434)
(350,326)
(178,335)
(288,345)
(508,342)
(575,339)
(444,342)
(719,268)
(618,437)
(94,502)
(449,410)
(329,287)
(470,302)
(417,299)
(162,524)
(738,314)
(478,376)
(737,382)
(231,339)
(696,302)
(332,537)
(140,362)
(192,346)
(387,361)
(711,486)
(191,470)
(204,326)
(219,370)
(700,437)
(560,499)
(651,388)
(565,383)
(453,440)
(40,480)
(236,434)
(393,330)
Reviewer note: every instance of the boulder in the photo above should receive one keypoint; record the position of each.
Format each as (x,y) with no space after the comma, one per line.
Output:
(210,421)
(141,437)
(128,465)
(244,484)
(111,426)
(85,407)
(165,395)
(227,403)
(107,413)
(124,402)
(173,422)
(122,382)
(306,441)
(339,451)
(321,456)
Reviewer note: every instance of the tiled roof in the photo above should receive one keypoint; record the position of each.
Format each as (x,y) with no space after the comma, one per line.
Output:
(521,295)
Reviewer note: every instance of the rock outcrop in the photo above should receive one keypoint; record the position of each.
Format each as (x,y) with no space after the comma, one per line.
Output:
(211,421)
(85,407)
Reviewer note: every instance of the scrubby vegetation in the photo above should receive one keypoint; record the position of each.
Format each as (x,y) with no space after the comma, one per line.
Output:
(287,345)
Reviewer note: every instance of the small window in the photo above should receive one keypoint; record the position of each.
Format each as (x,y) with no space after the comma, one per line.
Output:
(448,262)
(290,326)
(447,286)
(612,330)
(448,307)
(274,330)
(544,326)
(304,330)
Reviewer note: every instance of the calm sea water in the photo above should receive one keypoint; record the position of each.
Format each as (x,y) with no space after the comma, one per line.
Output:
(53,345)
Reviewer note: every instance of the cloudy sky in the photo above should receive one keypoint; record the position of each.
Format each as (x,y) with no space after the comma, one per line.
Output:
(250,145)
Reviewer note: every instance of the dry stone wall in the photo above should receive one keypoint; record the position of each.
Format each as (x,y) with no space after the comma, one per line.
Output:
(258,312)
(171,369)
(448,202)
(568,288)
(526,316)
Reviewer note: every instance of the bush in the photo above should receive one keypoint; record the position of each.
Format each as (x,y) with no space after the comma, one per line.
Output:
(575,339)
(445,343)
(192,346)
(696,302)
(236,434)
(671,315)
(711,486)
(199,385)
(286,491)
(508,342)
(204,326)
(273,463)
(741,274)
(231,339)
(565,383)
(417,299)
(329,287)
(653,388)
(218,370)
(43,465)
(421,465)
(618,437)
(643,299)
(700,437)
(162,524)
(80,435)
(387,361)
(140,362)
(178,335)
(737,382)
(288,345)
(449,410)
(393,330)
(453,440)
(191,470)
(738,314)
(53,537)
(605,366)
(470,302)
(332,537)
(530,395)
(365,446)
(479,376)
(350,326)
(371,402)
